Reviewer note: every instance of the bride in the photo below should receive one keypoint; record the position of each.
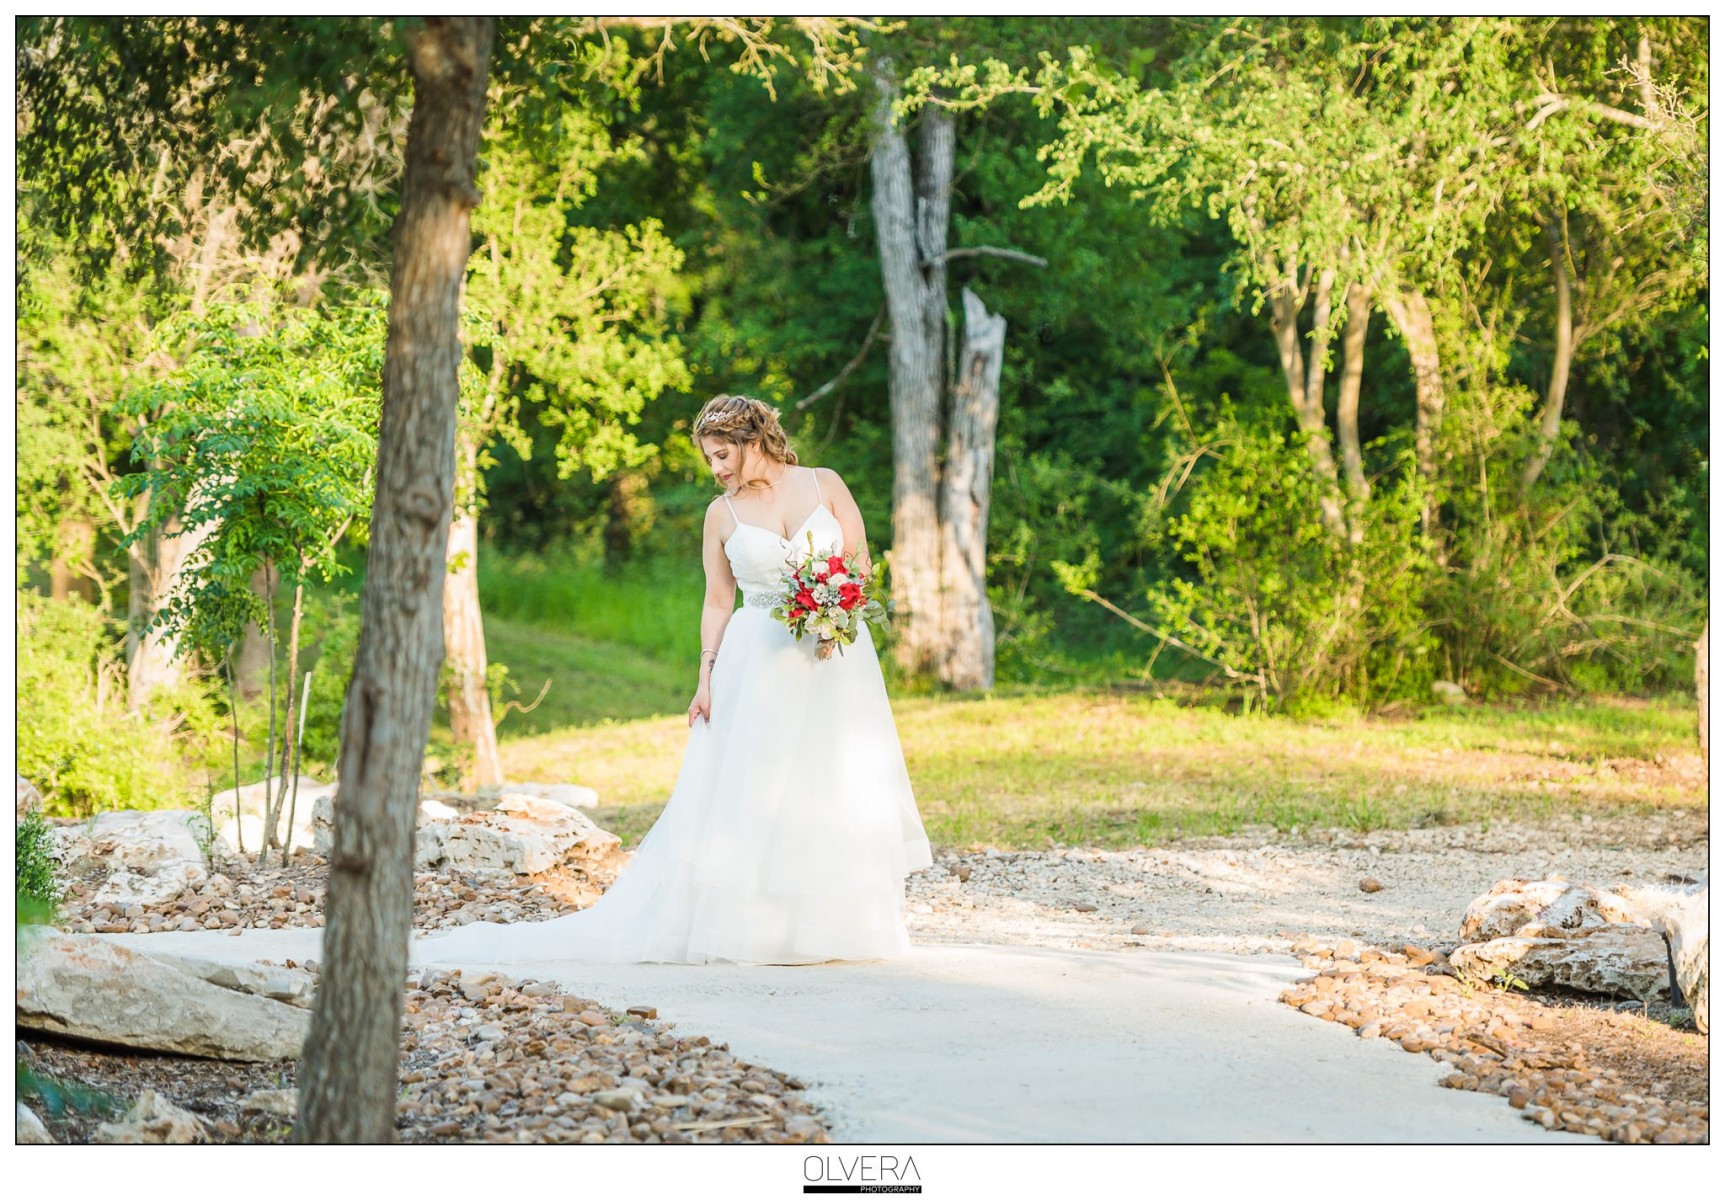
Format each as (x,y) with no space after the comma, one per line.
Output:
(791,828)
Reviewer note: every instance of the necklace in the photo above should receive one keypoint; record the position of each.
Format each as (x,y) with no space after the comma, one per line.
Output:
(763,487)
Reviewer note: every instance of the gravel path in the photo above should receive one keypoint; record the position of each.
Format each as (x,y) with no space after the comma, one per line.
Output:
(1256,894)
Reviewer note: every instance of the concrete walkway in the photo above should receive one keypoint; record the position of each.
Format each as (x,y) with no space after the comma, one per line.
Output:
(979,1044)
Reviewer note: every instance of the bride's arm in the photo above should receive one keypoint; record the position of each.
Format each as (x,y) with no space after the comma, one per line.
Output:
(850,516)
(716,609)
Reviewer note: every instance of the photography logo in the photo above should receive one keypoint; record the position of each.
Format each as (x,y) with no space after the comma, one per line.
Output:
(860,1173)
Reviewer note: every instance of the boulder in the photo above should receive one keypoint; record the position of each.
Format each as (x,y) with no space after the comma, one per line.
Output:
(1681,915)
(524,834)
(1543,908)
(31,1131)
(148,857)
(290,985)
(97,990)
(252,807)
(571,795)
(1449,693)
(1609,960)
(280,1103)
(323,819)
(29,799)
(153,1120)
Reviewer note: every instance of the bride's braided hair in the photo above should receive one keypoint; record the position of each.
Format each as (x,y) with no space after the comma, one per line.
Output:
(742,421)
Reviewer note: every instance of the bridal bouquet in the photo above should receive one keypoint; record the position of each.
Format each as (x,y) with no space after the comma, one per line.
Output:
(828,596)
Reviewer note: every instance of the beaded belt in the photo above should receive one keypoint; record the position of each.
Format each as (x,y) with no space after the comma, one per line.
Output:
(760,599)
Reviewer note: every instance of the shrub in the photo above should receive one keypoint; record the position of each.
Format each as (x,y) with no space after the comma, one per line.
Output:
(76,740)
(38,879)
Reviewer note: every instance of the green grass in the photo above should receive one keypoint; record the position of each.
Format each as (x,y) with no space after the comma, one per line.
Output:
(1100,769)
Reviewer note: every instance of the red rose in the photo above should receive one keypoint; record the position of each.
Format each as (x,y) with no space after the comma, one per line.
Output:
(796,612)
(821,578)
(805,598)
(850,595)
(835,565)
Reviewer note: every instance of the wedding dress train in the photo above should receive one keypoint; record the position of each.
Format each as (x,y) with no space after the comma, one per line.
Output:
(791,828)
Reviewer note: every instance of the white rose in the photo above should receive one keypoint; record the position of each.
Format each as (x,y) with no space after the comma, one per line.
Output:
(838,580)
(836,613)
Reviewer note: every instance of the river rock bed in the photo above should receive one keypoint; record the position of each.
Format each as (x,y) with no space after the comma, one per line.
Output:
(485,1058)
(239,894)
(1619,1073)
(1257,891)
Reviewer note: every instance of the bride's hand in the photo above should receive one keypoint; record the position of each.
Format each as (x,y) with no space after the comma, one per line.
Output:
(701,705)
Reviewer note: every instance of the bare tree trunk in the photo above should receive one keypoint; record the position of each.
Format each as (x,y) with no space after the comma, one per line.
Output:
(1413,319)
(1305,386)
(1348,408)
(153,567)
(1701,684)
(470,722)
(1551,419)
(72,569)
(969,636)
(628,503)
(910,228)
(288,774)
(253,660)
(347,1081)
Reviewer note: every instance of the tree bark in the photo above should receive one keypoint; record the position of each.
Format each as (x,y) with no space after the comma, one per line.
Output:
(965,492)
(153,567)
(1701,685)
(72,566)
(1305,385)
(1413,319)
(470,721)
(347,1081)
(253,660)
(1348,408)
(1551,419)
(910,229)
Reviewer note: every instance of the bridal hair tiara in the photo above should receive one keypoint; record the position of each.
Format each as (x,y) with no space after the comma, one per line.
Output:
(743,420)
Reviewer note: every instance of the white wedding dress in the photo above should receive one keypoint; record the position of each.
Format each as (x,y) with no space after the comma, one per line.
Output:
(791,828)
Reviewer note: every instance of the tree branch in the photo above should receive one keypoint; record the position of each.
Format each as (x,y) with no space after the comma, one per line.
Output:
(978,251)
(853,364)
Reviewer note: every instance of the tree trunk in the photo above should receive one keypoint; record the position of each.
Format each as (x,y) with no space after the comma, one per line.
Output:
(969,634)
(1413,319)
(1305,386)
(288,772)
(1701,685)
(72,567)
(1551,420)
(1348,408)
(347,1081)
(153,569)
(253,660)
(470,722)
(628,505)
(910,228)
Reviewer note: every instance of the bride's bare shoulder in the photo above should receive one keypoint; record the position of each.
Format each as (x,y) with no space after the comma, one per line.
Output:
(830,481)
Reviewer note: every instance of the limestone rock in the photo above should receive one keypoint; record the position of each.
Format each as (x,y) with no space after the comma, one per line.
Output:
(149,857)
(1449,693)
(29,799)
(31,1131)
(524,834)
(281,1103)
(323,818)
(1542,908)
(153,1120)
(571,795)
(1609,960)
(252,807)
(97,990)
(290,985)
(1681,915)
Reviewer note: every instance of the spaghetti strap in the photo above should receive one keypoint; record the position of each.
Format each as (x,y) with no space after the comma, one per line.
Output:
(816,472)
(727,501)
